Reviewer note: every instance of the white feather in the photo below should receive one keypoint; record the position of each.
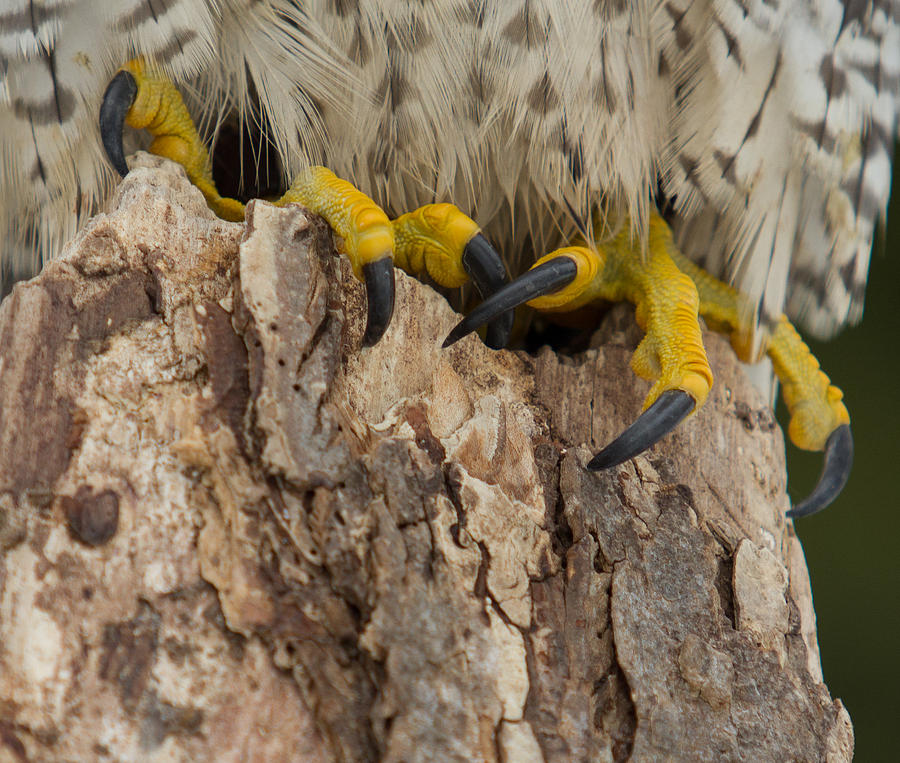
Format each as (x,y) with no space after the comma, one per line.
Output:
(522,113)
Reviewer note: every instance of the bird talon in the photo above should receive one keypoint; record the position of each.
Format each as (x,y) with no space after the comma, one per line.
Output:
(143,100)
(449,245)
(487,271)
(835,473)
(445,243)
(545,278)
(666,301)
(438,238)
(379,280)
(669,410)
(819,420)
(117,102)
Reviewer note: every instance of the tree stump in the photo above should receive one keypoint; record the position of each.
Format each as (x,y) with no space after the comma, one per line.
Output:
(230,533)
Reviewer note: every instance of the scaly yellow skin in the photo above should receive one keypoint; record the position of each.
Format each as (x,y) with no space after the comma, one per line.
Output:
(159,109)
(814,403)
(666,306)
(665,287)
(366,230)
(432,239)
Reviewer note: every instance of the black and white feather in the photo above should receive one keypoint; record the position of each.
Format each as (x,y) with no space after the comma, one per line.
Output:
(771,124)
(783,147)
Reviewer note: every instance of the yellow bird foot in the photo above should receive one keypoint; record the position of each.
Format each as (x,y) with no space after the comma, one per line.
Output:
(668,291)
(437,239)
(671,353)
(141,99)
(818,417)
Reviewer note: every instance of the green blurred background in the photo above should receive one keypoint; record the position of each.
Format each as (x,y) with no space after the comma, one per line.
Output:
(851,548)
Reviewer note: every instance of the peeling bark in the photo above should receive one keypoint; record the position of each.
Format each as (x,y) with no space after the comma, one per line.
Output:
(229,533)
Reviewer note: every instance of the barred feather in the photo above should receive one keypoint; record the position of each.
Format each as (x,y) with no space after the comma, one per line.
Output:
(771,124)
(784,142)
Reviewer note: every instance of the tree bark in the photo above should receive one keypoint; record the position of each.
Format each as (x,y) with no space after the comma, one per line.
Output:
(230,533)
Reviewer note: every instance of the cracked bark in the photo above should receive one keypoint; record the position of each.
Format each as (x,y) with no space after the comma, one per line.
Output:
(228,533)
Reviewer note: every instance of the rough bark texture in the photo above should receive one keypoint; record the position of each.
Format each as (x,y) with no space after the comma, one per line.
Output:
(228,533)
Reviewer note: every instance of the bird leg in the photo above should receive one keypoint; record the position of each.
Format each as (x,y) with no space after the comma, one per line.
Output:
(671,353)
(438,238)
(818,417)
(668,292)
(146,101)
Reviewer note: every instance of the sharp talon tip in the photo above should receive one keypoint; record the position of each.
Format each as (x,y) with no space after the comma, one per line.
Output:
(835,473)
(460,330)
(669,409)
(543,279)
(117,100)
(454,336)
(379,278)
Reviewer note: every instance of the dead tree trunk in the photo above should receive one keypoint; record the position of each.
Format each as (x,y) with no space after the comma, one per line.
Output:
(228,533)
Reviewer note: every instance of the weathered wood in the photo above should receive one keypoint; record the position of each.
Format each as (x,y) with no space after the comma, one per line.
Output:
(228,533)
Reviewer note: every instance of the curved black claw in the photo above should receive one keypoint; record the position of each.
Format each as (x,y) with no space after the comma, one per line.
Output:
(835,471)
(484,266)
(650,427)
(544,279)
(117,100)
(379,277)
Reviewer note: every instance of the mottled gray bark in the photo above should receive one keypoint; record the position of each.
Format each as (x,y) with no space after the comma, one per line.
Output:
(229,533)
